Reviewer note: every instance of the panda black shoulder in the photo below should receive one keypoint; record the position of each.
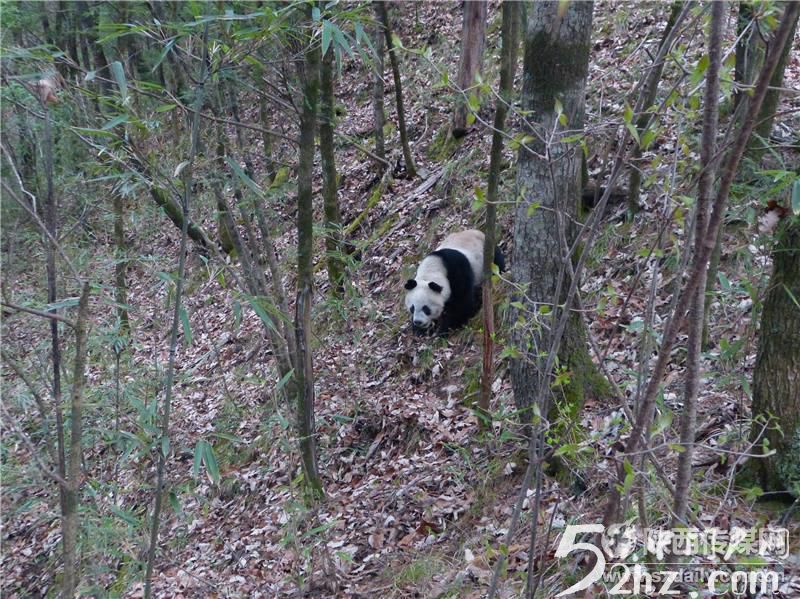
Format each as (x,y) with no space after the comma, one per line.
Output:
(459,271)
(461,305)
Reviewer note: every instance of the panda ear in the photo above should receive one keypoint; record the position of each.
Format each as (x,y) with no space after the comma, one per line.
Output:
(410,284)
(435,286)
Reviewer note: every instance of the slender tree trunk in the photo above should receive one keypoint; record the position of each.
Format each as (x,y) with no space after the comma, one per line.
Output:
(776,378)
(51,222)
(644,418)
(120,264)
(473,40)
(72,491)
(303,374)
(643,121)
(377,93)
(556,65)
(163,445)
(508,64)
(704,197)
(383,15)
(333,218)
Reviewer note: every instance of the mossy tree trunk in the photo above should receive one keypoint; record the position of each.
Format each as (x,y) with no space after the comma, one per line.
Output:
(303,374)
(555,69)
(330,191)
(473,40)
(776,379)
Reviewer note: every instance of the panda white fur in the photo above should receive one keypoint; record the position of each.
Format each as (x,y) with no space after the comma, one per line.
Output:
(446,291)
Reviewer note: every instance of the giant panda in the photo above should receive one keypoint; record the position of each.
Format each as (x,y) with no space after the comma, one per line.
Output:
(446,291)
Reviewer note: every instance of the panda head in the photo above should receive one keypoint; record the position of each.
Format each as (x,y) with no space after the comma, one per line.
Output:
(425,302)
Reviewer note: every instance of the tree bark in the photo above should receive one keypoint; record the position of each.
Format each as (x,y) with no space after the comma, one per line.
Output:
(508,64)
(473,40)
(688,422)
(51,223)
(383,15)
(556,65)
(776,378)
(72,490)
(303,373)
(333,218)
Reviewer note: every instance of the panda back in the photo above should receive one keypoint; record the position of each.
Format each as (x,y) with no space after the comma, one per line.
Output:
(470,244)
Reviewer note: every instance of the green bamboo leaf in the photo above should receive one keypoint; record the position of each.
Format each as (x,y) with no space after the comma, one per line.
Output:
(167,47)
(187,327)
(326,36)
(342,41)
(255,303)
(198,458)
(243,176)
(175,503)
(117,120)
(119,77)
(212,468)
(284,379)
(796,197)
(228,437)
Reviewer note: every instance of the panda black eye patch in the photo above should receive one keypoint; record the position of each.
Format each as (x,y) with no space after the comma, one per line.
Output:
(411,309)
(426,310)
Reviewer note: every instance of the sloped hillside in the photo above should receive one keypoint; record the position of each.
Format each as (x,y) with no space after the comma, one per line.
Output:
(419,496)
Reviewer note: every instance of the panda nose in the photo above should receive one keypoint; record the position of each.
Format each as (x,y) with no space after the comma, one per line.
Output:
(418,322)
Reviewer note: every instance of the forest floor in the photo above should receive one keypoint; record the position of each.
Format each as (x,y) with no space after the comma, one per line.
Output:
(418,496)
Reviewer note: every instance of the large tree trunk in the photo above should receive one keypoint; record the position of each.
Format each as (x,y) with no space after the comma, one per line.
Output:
(776,379)
(473,40)
(556,64)
(303,374)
